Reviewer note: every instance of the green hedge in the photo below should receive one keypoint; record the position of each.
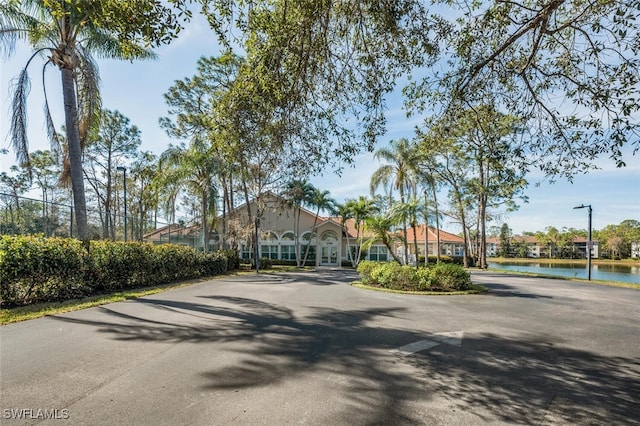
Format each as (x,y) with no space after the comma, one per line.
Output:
(38,269)
(458,260)
(438,277)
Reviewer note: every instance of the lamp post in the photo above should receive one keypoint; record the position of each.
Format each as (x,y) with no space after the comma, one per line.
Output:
(124,183)
(582,206)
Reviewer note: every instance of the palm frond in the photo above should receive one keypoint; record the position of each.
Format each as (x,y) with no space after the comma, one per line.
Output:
(24,21)
(103,44)
(88,93)
(21,86)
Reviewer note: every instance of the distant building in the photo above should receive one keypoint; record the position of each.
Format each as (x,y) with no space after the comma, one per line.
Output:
(577,249)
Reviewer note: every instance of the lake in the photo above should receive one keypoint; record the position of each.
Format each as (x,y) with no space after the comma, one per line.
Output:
(622,273)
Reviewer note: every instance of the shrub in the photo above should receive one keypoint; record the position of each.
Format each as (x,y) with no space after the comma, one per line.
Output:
(233,260)
(391,275)
(423,277)
(384,274)
(264,263)
(449,277)
(394,276)
(215,263)
(38,269)
(365,268)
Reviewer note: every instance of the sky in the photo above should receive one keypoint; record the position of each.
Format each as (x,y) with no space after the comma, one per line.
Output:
(136,90)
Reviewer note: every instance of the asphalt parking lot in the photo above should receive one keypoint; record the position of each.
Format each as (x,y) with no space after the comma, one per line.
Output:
(308,348)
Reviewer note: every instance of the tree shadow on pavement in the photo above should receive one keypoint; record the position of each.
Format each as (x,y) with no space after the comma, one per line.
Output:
(503,290)
(489,377)
(536,382)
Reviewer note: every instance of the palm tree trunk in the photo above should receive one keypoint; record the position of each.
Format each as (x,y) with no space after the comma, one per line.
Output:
(404,231)
(296,236)
(306,252)
(349,254)
(205,228)
(75,154)
(437,213)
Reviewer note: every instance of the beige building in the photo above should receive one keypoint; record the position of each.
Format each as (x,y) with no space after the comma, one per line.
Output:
(323,241)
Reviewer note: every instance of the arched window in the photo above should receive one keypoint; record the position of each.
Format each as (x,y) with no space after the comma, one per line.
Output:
(287,246)
(329,236)
(269,236)
(287,236)
(269,245)
(305,238)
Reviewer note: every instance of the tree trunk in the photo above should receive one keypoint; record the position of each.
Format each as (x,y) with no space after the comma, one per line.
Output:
(414,226)
(437,213)
(296,235)
(465,232)
(313,230)
(404,230)
(75,155)
(205,228)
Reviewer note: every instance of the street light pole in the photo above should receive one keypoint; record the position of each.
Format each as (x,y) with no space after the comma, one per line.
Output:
(124,183)
(582,206)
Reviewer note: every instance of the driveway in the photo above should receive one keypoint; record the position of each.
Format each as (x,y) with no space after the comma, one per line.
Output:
(308,348)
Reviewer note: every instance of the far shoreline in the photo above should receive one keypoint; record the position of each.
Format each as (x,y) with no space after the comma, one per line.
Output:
(624,262)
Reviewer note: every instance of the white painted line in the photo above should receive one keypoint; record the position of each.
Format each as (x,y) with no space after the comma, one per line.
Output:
(453,338)
(414,347)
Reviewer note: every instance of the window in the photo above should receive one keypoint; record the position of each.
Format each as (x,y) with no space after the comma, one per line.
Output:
(287,246)
(329,237)
(269,245)
(269,251)
(287,236)
(245,251)
(288,252)
(378,253)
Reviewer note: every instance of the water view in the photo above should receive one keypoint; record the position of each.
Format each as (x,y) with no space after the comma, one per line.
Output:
(613,272)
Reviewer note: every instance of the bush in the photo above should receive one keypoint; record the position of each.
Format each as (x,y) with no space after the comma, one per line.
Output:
(449,277)
(263,263)
(391,275)
(38,269)
(365,268)
(233,259)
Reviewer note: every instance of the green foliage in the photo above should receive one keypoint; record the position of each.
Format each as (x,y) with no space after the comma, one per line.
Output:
(38,269)
(233,260)
(35,268)
(449,277)
(365,268)
(443,259)
(441,277)
(265,263)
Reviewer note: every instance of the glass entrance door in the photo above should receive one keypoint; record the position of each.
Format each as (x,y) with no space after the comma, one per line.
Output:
(329,255)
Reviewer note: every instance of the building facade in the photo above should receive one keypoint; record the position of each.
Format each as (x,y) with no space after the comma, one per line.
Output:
(321,241)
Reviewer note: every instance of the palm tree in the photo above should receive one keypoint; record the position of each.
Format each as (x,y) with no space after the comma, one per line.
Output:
(68,34)
(195,169)
(408,212)
(321,201)
(399,173)
(297,193)
(343,211)
(381,224)
(359,210)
